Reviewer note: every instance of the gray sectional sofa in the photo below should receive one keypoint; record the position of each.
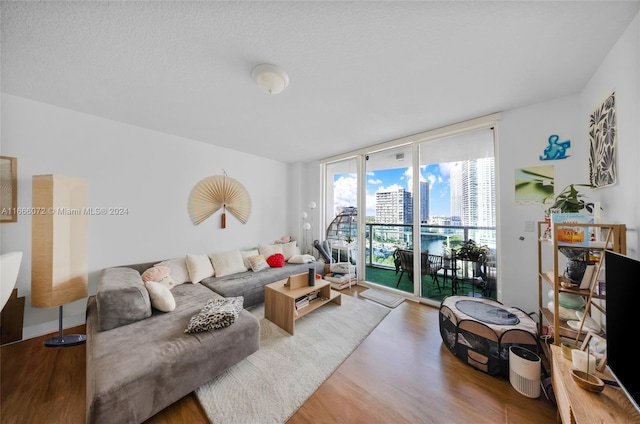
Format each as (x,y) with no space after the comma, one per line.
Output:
(140,360)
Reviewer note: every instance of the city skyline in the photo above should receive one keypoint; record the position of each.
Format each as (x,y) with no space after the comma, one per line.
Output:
(437,175)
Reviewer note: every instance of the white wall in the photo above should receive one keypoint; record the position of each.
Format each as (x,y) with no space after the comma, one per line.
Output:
(522,137)
(620,72)
(149,173)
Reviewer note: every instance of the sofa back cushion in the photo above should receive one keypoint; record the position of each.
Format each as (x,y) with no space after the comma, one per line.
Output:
(227,263)
(121,298)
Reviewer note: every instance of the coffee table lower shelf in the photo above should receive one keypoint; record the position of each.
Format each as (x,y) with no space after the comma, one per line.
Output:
(280,300)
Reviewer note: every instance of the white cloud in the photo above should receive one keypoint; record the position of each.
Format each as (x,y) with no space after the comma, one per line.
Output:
(392,187)
(345,191)
(372,181)
(408,175)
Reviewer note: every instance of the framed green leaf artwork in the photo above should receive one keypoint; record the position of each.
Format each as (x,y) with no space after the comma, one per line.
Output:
(534,183)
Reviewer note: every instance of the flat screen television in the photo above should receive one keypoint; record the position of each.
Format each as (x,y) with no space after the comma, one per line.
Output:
(622,274)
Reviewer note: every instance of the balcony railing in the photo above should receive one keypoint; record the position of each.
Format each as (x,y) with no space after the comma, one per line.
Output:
(381,240)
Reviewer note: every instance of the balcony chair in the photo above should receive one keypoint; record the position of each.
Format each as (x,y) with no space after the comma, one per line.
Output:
(429,265)
(485,271)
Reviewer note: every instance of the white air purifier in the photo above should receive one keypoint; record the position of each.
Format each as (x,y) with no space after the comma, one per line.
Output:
(524,371)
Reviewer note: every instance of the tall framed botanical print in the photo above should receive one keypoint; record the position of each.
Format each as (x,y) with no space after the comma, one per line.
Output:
(602,144)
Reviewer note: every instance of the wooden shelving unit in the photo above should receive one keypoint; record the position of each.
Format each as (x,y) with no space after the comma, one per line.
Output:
(551,276)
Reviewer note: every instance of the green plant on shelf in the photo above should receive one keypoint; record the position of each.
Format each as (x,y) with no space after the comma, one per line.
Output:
(570,200)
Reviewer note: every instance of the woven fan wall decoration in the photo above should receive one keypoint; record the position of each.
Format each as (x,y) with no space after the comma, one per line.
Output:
(219,192)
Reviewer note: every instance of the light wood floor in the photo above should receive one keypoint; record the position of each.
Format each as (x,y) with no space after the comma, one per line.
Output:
(401,373)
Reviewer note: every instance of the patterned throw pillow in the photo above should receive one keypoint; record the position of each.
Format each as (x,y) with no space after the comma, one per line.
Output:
(276,261)
(216,313)
(258,263)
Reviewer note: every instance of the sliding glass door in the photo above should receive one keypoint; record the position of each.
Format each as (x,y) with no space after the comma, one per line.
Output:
(405,208)
(341,211)
(389,218)
(459,205)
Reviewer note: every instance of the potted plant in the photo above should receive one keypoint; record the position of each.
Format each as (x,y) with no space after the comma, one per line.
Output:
(472,251)
(570,200)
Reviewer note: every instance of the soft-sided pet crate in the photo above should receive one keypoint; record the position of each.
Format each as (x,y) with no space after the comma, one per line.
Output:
(480,332)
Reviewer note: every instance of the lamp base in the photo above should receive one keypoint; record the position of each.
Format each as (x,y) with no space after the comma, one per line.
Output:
(66,341)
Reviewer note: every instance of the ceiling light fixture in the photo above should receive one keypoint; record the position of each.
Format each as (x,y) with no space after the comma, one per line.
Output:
(270,78)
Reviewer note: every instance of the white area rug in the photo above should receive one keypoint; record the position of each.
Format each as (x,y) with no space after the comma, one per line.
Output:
(383,298)
(270,385)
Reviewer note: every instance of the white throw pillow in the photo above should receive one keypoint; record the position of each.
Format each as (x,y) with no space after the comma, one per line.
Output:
(301,259)
(227,263)
(199,267)
(179,271)
(161,297)
(289,249)
(246,254)
(267,250)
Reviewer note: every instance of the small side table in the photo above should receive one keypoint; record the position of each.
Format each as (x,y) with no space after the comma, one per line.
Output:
(280,299)
(347,248)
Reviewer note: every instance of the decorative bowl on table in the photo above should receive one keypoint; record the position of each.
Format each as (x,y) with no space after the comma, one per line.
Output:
(587,381)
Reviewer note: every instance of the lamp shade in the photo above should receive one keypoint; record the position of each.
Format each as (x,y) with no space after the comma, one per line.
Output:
(306,226)
(270,78)
(58,240)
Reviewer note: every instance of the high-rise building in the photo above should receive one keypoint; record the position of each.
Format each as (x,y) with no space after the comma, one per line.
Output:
(394,207)
(472,187)
(455,192)
(486,215)
(424,201)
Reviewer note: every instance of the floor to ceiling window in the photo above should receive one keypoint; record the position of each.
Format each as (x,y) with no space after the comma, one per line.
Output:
(401,220)
(389,218)
(340,217)
(458,204)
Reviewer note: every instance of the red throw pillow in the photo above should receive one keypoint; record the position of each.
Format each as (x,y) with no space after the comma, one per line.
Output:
(276,260)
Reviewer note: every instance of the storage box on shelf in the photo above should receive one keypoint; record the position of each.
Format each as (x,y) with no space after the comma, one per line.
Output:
(551,275)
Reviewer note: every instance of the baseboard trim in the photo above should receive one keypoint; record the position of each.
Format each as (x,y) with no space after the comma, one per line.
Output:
(52,326)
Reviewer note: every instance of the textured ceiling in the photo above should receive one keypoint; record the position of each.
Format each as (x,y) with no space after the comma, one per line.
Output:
(360,72)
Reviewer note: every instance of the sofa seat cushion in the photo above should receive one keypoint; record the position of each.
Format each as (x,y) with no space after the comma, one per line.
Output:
(251,284)
(122,298)
(137,370)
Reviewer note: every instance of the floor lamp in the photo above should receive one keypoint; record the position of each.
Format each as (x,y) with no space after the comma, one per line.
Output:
(59,248)
(306,227)
(312,206)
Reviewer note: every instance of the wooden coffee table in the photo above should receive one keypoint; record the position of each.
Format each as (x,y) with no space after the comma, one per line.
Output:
(280,299)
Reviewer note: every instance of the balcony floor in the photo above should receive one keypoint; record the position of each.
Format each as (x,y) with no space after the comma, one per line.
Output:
(389,278)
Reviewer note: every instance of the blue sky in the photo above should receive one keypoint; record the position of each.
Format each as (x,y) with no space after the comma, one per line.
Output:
(345,186)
